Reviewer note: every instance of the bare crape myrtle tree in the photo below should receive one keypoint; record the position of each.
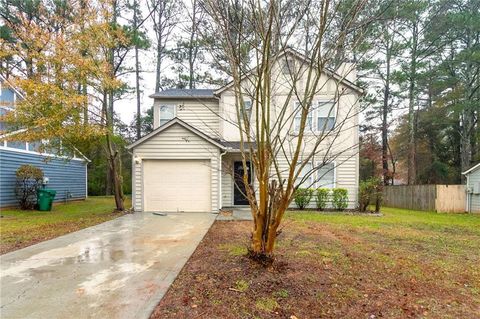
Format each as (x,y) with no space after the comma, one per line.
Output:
(280,54)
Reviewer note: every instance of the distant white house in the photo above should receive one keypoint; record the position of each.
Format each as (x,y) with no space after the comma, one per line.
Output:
(473,189)
(191,161)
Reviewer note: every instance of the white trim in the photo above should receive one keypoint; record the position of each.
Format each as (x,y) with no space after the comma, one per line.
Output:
(176,120)
(474,168)
(303,58)
(312,176)
(11,87)
(160,112)
(314,114)
(12,149)
(469,195)
(334,175)
(220,178)
(312,128)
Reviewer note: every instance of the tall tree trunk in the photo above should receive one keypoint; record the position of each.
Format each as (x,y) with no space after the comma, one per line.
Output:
(137,72)
(386,99)
(412,149)
(192,47)
(105,121)
(467,125)
(112,154)
(159,32)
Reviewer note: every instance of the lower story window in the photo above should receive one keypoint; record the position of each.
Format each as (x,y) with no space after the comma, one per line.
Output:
(305,178)
(326,175)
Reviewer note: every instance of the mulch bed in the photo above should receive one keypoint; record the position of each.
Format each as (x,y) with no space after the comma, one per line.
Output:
(320,272)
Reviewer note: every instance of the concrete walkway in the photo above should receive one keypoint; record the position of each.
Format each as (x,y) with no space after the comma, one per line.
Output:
(118,269)
(236,214)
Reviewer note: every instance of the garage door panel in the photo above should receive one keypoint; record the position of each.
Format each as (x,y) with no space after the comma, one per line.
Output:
(177,185)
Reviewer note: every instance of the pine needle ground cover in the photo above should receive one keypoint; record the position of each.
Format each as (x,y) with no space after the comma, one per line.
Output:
(404,264)
(22,228)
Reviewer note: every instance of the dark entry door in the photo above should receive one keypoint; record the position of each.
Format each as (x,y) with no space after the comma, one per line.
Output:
(239,186)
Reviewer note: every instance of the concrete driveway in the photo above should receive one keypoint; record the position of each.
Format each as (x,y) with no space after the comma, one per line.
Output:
(118,269)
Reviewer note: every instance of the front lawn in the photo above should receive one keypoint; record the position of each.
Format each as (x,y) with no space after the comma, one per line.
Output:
(405,264)
(20,228)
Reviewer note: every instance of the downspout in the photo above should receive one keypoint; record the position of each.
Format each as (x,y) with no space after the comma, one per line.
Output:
(132,208)
(469,195)
(220,195)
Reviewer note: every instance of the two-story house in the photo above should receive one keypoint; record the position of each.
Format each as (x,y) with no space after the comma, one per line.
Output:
(191,161)
(68,176)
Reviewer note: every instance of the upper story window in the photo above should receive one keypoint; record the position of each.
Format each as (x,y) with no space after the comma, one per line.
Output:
(319,119)
(288,66)
(325,115)
(247,104)
(326,175)
(167,112)
(298,118)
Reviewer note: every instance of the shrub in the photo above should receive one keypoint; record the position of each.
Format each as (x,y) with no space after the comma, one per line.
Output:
(302,197)
(29,179)
(340,198)
(322,198)
(370,190)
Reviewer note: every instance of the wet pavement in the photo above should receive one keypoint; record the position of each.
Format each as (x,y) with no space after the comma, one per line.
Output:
(118,269)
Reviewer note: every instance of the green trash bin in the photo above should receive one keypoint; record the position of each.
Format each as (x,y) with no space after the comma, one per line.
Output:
(45,199)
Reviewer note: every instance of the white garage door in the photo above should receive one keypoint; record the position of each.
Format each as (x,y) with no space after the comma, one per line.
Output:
(177,185)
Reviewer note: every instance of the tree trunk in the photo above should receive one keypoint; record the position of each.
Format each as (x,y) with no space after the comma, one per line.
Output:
(386,98)
(159,47)
(412,167)
(137,73)
(116,174)
(191,47)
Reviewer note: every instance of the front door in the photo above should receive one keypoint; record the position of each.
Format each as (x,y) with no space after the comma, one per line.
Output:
(239,191)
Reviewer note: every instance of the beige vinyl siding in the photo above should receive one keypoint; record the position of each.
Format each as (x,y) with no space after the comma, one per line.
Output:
(346,176)
(342,146)
(175,142)
(227,186)
(201,114)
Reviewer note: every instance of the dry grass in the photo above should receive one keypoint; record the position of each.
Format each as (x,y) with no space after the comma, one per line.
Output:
(405,264)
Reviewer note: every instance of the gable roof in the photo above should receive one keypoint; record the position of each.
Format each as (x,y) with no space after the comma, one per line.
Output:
(185,94)
(170,123)
(304,58)
(472,169)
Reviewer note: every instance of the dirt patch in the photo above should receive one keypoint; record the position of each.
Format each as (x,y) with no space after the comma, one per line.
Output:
(321,271)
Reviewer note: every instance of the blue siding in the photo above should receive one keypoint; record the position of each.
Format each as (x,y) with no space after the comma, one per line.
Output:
(64,176)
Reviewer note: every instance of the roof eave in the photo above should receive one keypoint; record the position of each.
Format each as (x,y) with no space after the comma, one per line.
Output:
(183,97)
(300,56)
(474,168)
(176,120)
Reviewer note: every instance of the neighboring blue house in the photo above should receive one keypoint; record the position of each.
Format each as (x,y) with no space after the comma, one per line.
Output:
(67,176)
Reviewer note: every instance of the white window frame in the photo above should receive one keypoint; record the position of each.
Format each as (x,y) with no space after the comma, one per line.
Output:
(310,181)
(332,114)
(160,113)
(313,113)
(317,179)
(298,115)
